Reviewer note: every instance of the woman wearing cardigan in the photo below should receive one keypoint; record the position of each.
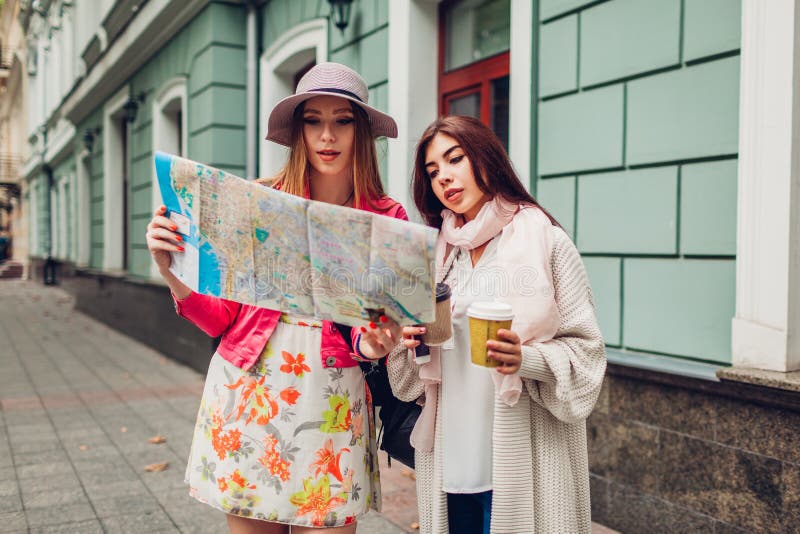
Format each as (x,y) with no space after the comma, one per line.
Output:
(500,450)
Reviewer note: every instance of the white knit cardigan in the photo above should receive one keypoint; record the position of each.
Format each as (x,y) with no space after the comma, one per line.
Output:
(541,486)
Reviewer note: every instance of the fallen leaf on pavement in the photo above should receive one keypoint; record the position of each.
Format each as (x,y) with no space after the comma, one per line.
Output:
(123,429)
(155,440)
(155,468)
(162,361)
(414,525)
(84,447)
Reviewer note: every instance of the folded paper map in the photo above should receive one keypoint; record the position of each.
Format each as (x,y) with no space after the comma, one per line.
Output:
(253,244)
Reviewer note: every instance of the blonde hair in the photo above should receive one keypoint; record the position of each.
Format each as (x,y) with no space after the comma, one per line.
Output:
(294,176)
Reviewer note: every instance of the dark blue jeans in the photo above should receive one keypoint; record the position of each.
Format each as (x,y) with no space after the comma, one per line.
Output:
(469,513)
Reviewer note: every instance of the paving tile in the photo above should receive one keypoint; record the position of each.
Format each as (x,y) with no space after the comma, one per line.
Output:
(43,457)
(128,504)
(43,470)
(8,487)
(71,513)
(91,526)
(13,522)
(42,499)
(11,503)
(56,482)
(156,521)
(125,488)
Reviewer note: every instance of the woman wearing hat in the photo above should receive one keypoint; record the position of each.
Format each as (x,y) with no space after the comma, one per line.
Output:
(284,432)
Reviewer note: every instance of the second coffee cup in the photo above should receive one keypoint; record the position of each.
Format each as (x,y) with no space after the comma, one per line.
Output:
(485,319)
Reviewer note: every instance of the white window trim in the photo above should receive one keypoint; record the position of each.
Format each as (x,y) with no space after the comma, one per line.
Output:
(63,253)
(33,202)
(173,89)
(83,216)
(291,51)
(113,241)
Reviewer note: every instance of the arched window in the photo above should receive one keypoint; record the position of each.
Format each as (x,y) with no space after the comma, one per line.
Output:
(170,129)
(293,53)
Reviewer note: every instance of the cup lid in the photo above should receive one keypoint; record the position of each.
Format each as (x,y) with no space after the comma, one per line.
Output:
(492,311)
(442,292)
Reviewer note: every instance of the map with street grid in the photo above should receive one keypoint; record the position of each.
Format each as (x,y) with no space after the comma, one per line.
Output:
(254,244)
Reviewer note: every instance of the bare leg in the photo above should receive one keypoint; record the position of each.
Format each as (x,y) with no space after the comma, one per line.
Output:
(347,529)
(243,525)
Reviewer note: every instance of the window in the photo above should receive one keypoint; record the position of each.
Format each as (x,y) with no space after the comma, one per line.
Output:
(474,41)
(284,62)
(169,132)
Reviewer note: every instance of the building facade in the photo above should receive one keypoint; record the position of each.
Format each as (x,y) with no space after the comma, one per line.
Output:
(660,133)
(13,146)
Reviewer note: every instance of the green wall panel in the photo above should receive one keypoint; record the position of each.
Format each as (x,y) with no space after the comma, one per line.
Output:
(689,113)
(551,8)
(141,171)
(136,232)
(217,106)
(218,147)
(687,312)
(557,195)
(366,16)
(141,201)
(581,132)
(368,56)
(280,15)
(379,97)
(711,27)
(625,37)
(708,208)
(558,56)
(605,278)
(631,212)
(142,141)
(226,24)
(139,260)
(218,63)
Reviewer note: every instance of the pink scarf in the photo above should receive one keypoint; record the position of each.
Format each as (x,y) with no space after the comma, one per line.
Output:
(523,254)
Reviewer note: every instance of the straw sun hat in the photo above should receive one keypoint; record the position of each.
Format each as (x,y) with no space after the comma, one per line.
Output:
(327,79)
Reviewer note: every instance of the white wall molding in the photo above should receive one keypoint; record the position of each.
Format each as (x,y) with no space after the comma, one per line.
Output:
(156,23)
(766,328)
(278,64)
(165,132)
(413,91)
(113,211)
(83,215)
(521,89)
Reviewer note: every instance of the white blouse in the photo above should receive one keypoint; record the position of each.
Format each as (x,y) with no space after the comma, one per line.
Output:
(467,390)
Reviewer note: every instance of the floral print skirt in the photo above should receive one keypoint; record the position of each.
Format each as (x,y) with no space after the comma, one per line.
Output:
(287,441)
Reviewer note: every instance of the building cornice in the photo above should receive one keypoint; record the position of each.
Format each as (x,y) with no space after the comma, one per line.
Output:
(157,22)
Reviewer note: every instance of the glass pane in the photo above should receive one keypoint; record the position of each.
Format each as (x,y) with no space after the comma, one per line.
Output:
(500,109)
(475,30)
(469,105)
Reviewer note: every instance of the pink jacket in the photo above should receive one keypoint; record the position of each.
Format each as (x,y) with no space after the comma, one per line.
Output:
(245,329)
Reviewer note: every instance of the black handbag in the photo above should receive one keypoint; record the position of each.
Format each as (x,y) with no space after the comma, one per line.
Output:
(397,417)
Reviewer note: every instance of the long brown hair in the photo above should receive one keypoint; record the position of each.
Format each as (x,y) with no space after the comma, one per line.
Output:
(294,176)
(490,164)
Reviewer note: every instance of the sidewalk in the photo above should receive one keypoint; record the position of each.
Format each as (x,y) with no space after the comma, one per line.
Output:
(78,404)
